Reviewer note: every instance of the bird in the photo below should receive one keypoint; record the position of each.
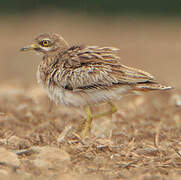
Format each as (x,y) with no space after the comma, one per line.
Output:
(85,75)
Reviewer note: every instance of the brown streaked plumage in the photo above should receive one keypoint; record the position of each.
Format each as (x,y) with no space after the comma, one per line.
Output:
(85,75)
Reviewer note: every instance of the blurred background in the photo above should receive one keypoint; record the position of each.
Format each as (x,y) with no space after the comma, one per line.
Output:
(148,33)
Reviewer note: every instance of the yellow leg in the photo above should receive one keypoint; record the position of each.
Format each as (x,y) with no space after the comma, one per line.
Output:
(111,111)
(87,122)
(85,126)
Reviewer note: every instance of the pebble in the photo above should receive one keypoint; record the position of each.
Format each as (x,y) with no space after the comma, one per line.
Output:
(9,157)
(49,157)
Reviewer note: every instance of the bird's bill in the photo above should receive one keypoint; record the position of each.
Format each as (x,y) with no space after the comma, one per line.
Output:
(29,48)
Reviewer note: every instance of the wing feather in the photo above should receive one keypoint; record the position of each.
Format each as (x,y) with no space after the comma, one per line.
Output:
(93,67)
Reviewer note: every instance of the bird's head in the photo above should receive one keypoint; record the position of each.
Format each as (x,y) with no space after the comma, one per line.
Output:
(46,43)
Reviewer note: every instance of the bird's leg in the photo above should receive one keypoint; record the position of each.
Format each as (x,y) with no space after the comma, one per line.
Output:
(111,111)
(86,124)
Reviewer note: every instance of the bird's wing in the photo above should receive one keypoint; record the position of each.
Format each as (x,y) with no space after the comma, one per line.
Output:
(94,67)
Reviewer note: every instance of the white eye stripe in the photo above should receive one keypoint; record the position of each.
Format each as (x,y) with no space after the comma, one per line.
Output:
(46,48)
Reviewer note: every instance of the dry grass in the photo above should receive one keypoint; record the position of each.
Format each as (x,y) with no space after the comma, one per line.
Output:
(141,141)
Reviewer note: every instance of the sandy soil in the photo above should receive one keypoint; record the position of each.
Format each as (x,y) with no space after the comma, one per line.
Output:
(140,141)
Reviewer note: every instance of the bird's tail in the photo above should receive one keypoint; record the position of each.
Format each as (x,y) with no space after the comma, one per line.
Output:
(151,86)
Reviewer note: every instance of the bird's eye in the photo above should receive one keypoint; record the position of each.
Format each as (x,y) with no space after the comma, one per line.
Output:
(45,43)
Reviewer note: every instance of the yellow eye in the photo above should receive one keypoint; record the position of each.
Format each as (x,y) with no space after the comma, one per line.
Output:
(45,43)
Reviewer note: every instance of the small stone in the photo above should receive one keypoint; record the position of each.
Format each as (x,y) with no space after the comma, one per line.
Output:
(9,157)
(50,157)
(42,163)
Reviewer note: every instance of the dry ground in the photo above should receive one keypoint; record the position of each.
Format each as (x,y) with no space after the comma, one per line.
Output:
(141,141)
